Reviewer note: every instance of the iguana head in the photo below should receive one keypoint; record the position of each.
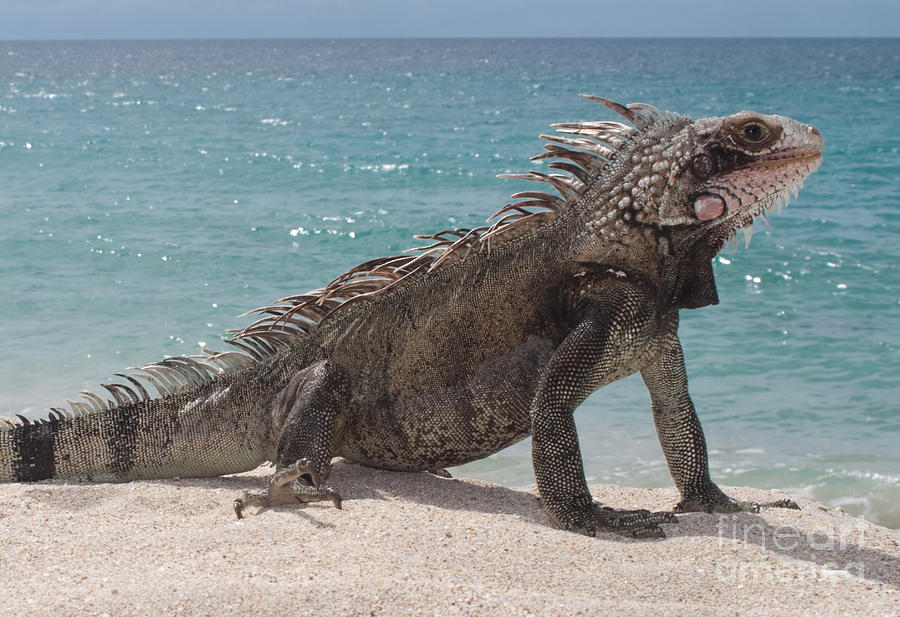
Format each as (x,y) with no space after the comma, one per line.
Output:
(699,180)
(720,174)
(690,185)
(697,183)
(708,178)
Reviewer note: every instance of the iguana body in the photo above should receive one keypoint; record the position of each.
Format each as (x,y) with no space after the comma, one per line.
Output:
(486,336)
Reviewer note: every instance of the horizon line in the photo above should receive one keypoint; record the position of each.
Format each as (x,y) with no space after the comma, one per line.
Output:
(440,38)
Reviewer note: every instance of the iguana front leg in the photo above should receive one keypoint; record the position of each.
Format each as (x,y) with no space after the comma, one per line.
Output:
(594,354)
(681,436)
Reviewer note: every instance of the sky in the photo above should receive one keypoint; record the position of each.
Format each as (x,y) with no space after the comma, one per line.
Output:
(229,19)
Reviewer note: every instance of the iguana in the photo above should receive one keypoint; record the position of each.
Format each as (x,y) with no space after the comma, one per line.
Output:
(485,336)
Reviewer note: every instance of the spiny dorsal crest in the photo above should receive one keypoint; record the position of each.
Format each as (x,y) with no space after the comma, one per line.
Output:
(582,150)
(169,376)
(586,149)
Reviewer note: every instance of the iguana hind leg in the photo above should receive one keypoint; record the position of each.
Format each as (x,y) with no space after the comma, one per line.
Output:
(313,405)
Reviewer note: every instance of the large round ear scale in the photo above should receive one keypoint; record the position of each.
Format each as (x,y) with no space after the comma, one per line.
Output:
(708,207)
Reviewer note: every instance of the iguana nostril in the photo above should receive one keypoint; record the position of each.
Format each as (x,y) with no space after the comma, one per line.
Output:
(815,135)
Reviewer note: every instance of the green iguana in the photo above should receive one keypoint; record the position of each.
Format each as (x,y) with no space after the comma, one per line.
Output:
(460,348)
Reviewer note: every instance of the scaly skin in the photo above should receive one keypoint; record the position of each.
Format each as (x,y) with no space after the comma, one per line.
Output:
(487,336)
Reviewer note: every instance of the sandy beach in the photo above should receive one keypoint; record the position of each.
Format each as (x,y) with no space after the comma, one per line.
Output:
(416,544)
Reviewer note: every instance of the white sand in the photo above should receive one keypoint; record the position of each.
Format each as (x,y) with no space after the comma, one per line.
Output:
(415,544)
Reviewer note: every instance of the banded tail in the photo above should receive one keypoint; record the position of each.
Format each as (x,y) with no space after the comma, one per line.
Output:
(202,424)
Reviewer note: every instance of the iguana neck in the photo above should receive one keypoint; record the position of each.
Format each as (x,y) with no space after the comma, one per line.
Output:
(675,264)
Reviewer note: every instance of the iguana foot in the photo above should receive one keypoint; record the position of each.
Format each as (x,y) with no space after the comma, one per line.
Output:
(712,499)
(629,523)
(440,473)
(287,486)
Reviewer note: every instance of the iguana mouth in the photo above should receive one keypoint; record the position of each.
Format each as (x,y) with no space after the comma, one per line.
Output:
(791,159)
(741,216)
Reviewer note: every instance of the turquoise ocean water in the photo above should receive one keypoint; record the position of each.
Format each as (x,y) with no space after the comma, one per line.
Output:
(153,191)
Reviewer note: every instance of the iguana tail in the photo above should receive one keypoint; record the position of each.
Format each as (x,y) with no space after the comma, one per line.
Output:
(206,421)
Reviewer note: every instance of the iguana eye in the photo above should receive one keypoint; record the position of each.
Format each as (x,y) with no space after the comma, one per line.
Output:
(751,132)
(754,132)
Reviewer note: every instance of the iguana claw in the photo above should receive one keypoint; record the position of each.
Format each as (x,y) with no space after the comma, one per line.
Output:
(712,499)
(629,523)
(286,486)
(790,504)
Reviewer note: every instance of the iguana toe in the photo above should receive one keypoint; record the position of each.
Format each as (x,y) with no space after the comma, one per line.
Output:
(790,504)
(711,499)
(297,482)
(628,523)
